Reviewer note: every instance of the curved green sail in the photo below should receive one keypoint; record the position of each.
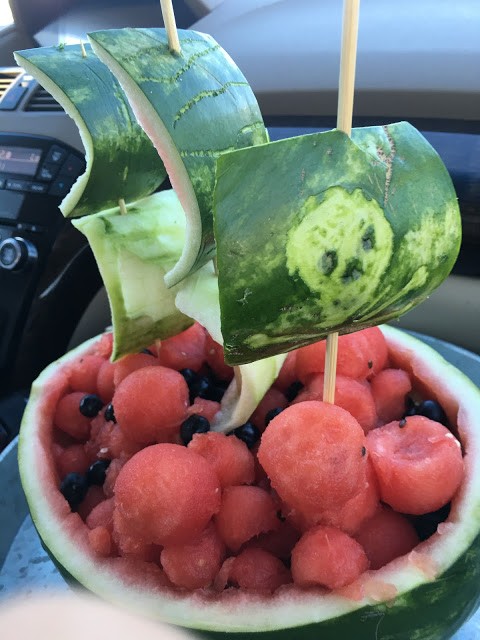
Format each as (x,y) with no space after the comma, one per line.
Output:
(121,162)
(323,233)
(194,106)
(133,252)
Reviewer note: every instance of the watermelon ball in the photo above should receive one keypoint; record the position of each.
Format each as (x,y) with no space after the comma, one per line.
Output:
(350,394)
(72,459)
(360,355)
(166,494)
(349,517)
(186,350)
(245,512)
(386,536)
(105,383)
(390,389)
(102,515)
(68,417)
(84,372)
(230,457)
(130,363)
(255,569)
(418,463)
(327,557)
(215,359)
(206,408)
(194,565)
(150,404)
(100,541)
(313,453)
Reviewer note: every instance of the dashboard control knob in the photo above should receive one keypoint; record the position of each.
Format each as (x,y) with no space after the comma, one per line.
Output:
(16,254)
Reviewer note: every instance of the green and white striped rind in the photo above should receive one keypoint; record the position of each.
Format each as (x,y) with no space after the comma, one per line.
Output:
(194,106)
(198,298)
(323,233)
(121,161)
(424,609)
(133,252)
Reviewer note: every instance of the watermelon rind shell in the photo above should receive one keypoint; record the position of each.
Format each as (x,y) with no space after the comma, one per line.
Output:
(425,607)
(194,106)
(121,162)
(322,233)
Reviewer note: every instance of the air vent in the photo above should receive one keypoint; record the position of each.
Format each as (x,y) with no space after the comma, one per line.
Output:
(7,78)
(41,101)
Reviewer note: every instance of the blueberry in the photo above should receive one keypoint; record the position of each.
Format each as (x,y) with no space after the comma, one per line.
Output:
(90,405)
(147,352)
(73,488)
(193,424)
(189,375)
(432,409)
(96,472)
(410,407)
(248,432)
(270,415)
(205,387)
(293,390)
(109,414)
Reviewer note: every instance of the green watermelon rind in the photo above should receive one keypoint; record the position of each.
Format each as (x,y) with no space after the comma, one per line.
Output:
(424,609)
(322,233)
(133,252)
(179,100)
(121,162)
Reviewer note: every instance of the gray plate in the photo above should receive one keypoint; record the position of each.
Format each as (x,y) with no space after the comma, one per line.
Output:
(25,567)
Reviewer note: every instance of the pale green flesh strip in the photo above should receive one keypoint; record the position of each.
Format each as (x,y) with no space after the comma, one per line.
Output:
(323,233)
(121,162)
(133,252)
(194,106)
(198,298)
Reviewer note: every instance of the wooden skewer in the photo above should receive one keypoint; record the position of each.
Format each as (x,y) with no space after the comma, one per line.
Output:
(170,25)
(122,206)
(344,123)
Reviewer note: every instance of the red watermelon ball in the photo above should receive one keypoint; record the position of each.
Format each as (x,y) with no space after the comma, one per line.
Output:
(150,404)
(166,494)
(314,454)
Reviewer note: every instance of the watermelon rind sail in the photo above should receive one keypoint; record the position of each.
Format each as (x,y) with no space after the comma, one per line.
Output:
(322,233)
(430,592)
(121,162)
(194,106)
(133,252)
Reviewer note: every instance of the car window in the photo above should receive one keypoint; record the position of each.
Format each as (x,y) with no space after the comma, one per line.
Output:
(6,18)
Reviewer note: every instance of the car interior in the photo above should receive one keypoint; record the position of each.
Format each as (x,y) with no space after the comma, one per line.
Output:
(408,68)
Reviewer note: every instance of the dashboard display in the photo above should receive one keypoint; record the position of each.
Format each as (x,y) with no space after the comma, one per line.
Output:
(22,160)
